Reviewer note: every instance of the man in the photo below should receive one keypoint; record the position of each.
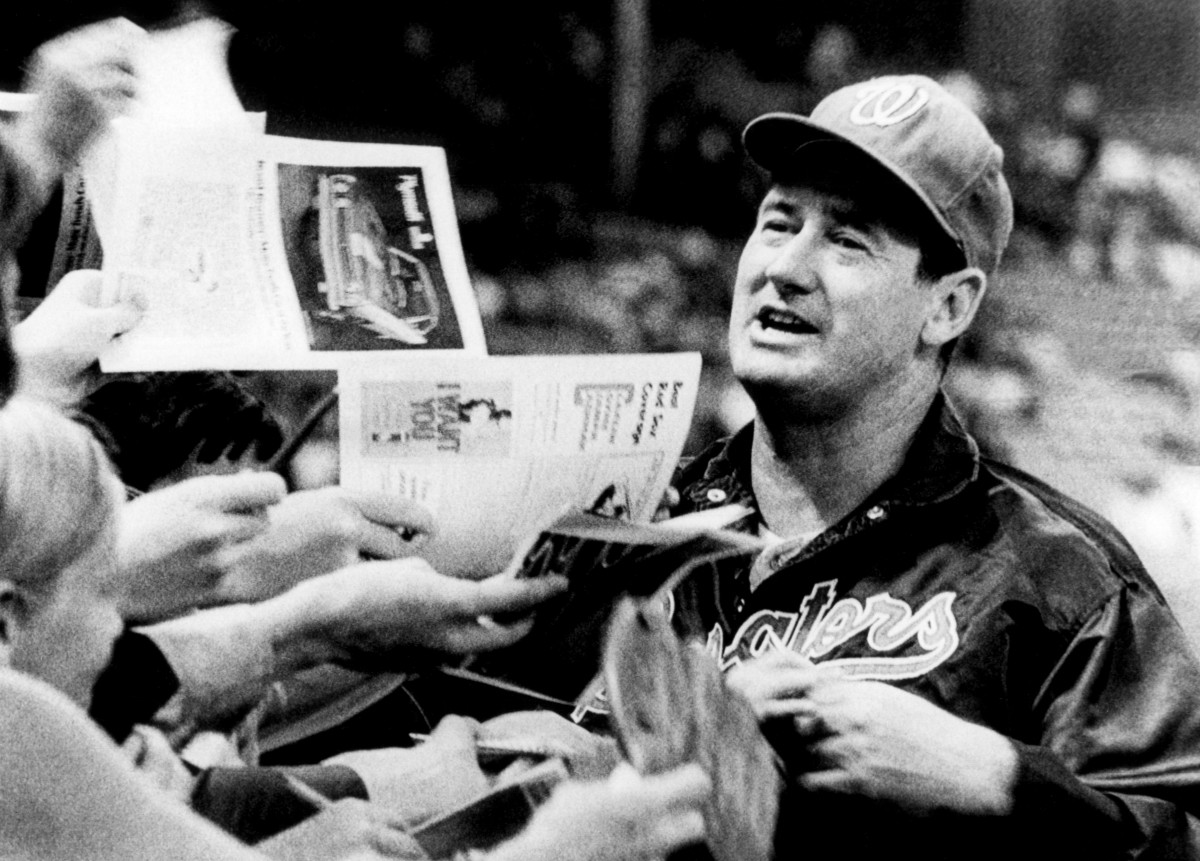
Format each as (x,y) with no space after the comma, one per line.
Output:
(952,658)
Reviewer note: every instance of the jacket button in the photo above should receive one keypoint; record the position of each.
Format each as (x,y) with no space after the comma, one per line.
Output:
(739,604)
(874,512)
(716,495)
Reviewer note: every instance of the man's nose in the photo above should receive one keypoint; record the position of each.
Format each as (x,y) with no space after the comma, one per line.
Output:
(791,268)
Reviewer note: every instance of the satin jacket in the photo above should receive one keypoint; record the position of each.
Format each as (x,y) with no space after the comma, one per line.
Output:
(995,597)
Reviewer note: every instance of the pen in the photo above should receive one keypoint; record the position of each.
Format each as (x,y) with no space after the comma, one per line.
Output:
(499,749)
(303,790)
(279,462)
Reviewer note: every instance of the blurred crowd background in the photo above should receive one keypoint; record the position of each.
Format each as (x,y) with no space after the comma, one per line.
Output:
(603,196)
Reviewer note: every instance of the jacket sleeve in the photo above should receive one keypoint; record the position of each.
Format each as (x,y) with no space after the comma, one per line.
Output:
(223,660)
(1116,773)
(256,803)
(136,683)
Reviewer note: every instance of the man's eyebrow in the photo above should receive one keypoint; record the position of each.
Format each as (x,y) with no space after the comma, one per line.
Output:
(849,213)
(777,203)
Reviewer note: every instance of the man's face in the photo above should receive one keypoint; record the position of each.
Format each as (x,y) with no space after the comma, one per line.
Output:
(827,306)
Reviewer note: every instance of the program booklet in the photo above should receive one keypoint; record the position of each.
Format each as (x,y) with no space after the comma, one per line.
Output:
(496,447)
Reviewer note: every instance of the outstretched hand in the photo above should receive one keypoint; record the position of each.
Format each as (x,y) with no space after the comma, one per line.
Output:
(60,342)
(314,532)
(871,739)
(371,615)
(422,781)
(626,817)
(177,544)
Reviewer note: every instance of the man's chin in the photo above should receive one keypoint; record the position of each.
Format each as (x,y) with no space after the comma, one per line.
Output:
(794,395)
(771,374)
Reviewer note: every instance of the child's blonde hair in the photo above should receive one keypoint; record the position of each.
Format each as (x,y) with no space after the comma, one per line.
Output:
(56,492)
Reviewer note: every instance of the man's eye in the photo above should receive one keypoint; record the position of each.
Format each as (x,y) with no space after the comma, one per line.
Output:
(849,240)
(777,225)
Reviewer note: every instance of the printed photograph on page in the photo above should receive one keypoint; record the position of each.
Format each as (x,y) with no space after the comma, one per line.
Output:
(427,419)
(363,254)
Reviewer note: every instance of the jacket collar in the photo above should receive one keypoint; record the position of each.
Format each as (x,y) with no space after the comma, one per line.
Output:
(941,462)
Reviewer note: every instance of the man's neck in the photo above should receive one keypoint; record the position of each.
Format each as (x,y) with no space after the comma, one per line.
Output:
(808,473)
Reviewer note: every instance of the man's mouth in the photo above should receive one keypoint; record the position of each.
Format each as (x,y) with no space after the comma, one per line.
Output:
(784,321)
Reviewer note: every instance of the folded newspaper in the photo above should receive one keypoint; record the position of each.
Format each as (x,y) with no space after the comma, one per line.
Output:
(259,252)
(496,447)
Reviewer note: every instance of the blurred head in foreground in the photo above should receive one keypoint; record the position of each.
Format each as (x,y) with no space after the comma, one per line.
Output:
(60,594)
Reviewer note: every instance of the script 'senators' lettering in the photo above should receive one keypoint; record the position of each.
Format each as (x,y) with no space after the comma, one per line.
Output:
(884,624)
(927,636)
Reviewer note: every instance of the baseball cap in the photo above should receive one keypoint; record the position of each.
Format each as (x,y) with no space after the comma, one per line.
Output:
(925,137)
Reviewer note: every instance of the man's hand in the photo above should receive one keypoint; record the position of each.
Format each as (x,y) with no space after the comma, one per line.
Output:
(314,532)
(871,739)
(775,676)
(176,544)
(349,829)
(59,343)
(371,616)
(627,816)
(82,79)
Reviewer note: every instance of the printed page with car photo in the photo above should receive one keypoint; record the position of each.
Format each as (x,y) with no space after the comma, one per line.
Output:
(252,251)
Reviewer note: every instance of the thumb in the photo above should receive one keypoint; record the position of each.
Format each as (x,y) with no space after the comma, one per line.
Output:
(456,733)
(81,285)
(120,318)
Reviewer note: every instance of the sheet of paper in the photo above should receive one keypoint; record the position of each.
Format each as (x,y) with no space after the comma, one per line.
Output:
(100,163)
(183,75)
(498,447)
(183,81)
(260,252)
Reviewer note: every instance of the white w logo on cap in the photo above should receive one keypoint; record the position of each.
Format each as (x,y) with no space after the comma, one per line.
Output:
(888,103)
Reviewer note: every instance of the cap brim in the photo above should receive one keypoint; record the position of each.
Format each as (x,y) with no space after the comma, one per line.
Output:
(775,141)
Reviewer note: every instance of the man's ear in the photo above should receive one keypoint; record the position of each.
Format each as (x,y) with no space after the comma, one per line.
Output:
(954,300)
(12,615)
